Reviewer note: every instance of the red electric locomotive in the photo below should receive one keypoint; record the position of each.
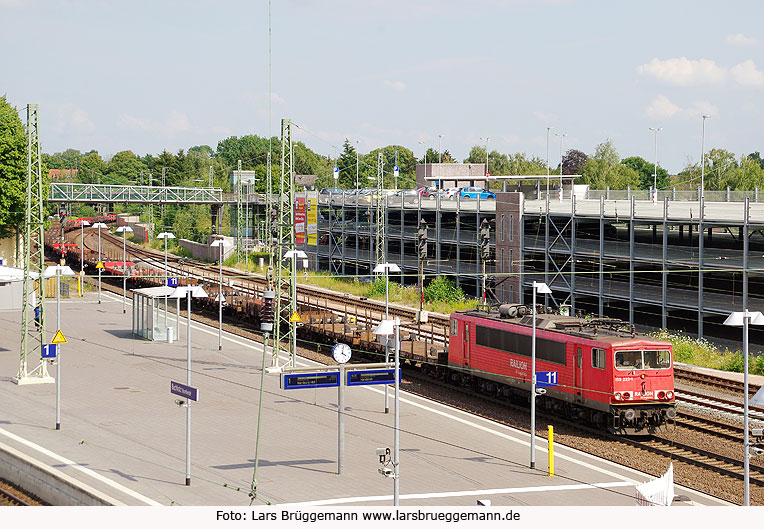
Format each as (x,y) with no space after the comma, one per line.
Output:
(606,373)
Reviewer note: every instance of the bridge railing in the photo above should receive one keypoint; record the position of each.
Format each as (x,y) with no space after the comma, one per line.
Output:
(68,192)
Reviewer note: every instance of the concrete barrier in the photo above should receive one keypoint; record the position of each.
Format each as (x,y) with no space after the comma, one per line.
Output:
(208,253)
(47,483)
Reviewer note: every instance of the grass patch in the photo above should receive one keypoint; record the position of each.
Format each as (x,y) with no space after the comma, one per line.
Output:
(702,353)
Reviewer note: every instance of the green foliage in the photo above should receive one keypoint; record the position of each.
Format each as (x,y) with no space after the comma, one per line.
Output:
(646,170)
(124,167)
(377,289)
(92,169)
(443,289)
(604,169)
(702,353)
(12,170)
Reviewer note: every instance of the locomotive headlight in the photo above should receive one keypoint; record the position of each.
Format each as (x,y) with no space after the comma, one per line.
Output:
(617,396)
(670,395)
(661,395)
(626,396)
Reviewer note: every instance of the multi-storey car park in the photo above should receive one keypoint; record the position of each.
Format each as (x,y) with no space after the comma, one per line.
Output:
(609,253)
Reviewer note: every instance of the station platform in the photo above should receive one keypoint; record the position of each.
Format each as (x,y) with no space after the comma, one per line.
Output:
(123,434)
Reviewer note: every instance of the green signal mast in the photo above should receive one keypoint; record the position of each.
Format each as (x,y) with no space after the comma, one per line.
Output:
(33,334)
(285,281)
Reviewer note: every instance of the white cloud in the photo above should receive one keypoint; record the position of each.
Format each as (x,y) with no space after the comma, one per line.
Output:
(71,119)
(684,72)
(663,108)
(177,122)
(746,74)
(398,86)
(738,39)
(546,117)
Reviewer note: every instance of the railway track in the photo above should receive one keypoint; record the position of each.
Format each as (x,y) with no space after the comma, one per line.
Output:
(10,499)
(725,384)
(252,285)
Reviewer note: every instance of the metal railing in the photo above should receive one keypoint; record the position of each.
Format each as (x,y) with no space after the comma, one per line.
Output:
(67,192)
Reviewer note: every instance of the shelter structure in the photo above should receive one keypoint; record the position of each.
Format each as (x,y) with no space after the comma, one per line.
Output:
(150,314)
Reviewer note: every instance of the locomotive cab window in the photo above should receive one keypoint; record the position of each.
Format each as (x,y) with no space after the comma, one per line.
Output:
(626,360)
(598,358)
(454,327)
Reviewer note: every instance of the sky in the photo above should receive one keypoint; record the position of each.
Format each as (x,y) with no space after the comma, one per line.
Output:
(153,75)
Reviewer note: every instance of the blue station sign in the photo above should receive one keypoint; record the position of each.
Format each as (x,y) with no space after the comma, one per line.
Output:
(189,392)
(371,376)
(330,379)
(50,350)
(546,379)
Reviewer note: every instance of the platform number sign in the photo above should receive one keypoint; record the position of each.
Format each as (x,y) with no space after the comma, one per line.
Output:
(546,379)
(336,173)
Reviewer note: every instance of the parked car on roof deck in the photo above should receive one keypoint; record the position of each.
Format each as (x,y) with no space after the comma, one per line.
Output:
(476,192)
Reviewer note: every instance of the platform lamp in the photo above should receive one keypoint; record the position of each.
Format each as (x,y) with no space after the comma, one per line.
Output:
(386,268)
(99,225)
(82,251)
(188,292)
(540,288)
(220,243)
(744,319)
(293,255)
(393,328)
(57,271)
(166,235)
(124,231)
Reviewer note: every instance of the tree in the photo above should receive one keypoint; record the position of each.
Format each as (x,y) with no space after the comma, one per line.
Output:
(346,163)
(124,167)
(719,163)
(12,171)
(573,162)
(646,172)
(92,169)
(756,157)
(604,169)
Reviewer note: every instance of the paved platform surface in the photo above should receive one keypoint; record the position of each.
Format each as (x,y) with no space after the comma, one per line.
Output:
(122,432)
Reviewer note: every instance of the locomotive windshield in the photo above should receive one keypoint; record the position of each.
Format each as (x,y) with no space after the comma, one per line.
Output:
(626,360)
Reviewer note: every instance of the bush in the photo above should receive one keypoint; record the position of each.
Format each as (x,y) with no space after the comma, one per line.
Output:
(442,289)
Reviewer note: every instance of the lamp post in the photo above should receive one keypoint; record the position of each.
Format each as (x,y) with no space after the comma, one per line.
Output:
(293,255)
(387,268)
(220,243)
(486,158)
(655,166)
(124,230)
(562,140)
(744,319)
(166,235)
(58,271)
(703,158)
(547,162)
(424,145)
(82,252)
(540,288)
(357,184)
(387,328)
(440,146)
(188,293)
(99,225)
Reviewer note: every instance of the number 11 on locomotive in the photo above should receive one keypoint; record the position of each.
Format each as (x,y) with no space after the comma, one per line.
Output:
(546,379)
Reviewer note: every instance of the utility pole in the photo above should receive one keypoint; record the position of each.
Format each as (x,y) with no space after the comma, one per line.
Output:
(239,212)
(379,246)
(285,280)
(33,335)
(485,251)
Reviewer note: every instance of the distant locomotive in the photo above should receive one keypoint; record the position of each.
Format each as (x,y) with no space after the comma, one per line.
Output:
(606,373)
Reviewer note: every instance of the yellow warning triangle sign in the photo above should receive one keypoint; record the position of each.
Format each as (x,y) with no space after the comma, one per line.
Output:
(100,265)
(295,317)
(59,337)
